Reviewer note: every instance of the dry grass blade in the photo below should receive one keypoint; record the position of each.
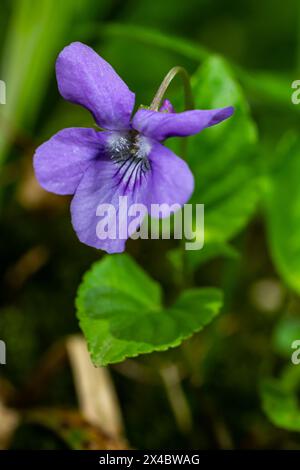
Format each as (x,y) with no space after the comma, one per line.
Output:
(96,394)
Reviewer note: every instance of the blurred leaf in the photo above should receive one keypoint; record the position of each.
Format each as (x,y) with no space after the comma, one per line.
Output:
(275,88)
(282,197)
(279,399)
(286,332)
(222,158)
(155,38)
(121,313)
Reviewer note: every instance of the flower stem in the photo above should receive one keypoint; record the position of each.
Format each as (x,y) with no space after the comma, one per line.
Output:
(188,95)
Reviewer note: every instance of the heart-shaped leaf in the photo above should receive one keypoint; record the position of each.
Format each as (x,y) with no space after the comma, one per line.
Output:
(121,313)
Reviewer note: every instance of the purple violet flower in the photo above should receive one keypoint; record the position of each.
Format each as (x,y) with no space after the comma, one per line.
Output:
(125,159)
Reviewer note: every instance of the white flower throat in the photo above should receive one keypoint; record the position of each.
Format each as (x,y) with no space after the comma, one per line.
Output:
(129,151)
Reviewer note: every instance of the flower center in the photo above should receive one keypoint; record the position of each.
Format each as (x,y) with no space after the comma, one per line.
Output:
(129,151)
(129,146)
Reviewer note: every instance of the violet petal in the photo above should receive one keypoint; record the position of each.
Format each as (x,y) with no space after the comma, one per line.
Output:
(85,78)
(103,183)
(172,181)
(160,126)
(167,107)
(60,162)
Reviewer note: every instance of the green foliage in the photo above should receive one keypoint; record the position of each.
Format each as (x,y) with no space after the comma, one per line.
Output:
(280,401)
(222,158)
(282,196)
(285,333)
(121,312)
(149,36)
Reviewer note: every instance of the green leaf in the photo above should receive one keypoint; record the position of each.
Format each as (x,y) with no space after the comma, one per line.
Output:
(282,197)
(285,333)
(222,157)
(121,313)
(279,399)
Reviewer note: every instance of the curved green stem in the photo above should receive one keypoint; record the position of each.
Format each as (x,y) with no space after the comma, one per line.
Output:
(188,95)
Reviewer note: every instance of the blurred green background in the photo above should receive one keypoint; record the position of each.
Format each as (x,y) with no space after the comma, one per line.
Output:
(231,386)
